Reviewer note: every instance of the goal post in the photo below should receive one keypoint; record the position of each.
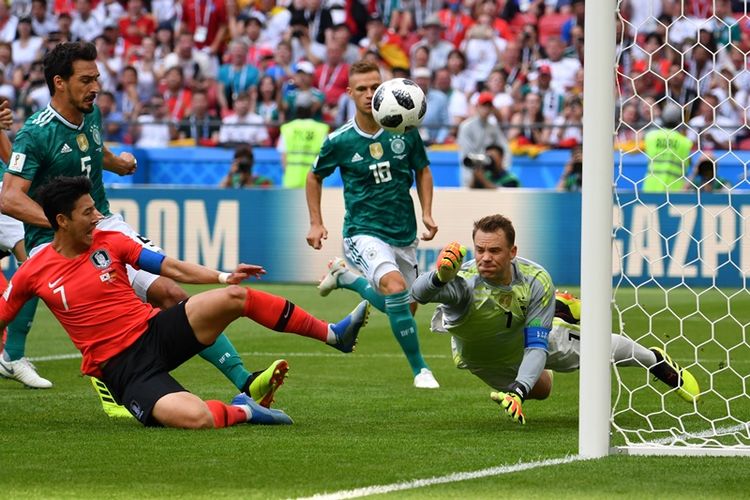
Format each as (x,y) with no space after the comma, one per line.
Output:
(665,269)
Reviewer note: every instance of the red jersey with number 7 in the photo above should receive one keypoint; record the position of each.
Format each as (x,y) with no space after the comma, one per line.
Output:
(90,295)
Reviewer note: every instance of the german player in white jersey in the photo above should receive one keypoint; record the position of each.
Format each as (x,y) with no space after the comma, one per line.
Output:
(509,327)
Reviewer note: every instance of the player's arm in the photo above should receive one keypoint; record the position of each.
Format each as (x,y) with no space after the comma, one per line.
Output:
(186,272)
(441,284)
(16,203)
(314,193)
(124,164)
(424,191)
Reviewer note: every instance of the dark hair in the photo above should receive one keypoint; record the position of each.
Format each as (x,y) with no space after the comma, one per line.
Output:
(495,223)
(59,61)
(495,147)
(59,196)
(244,151)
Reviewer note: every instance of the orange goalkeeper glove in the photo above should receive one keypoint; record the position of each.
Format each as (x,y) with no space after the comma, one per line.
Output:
(449,261)
(511,401)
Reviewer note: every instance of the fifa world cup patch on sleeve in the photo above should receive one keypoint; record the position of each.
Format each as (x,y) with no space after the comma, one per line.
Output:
(17,161)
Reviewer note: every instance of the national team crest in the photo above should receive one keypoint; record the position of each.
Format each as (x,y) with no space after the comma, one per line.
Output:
(96,135)
(376,150)
(100,259)
(83,142)
(398,146)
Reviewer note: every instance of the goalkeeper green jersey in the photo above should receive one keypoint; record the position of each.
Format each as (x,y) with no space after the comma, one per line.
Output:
(49,146)
(492,325)
(378,172)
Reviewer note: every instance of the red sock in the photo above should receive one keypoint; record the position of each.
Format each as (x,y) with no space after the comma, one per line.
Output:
(226,415)
(279,314)
(4,335)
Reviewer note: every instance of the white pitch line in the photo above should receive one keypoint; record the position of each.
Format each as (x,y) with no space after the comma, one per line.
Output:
(75,355)
(449,478)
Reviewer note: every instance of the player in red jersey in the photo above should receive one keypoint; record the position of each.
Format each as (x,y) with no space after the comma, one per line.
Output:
(132,346)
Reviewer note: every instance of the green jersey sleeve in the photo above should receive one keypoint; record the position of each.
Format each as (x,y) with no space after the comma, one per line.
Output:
(27,155)
(326,162)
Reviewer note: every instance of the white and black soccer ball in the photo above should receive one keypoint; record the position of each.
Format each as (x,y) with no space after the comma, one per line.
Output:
(399,105)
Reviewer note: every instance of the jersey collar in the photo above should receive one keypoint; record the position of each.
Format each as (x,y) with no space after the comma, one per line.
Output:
(63,120)
(365,134)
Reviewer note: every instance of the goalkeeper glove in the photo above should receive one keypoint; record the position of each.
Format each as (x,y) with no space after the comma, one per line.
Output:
(511,401)
(449,261)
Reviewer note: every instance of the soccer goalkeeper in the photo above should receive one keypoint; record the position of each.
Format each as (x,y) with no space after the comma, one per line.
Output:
(509,328)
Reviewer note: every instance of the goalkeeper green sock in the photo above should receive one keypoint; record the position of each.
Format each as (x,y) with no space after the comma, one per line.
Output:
(363,288)
(404,328)
(15,345)
(223,356)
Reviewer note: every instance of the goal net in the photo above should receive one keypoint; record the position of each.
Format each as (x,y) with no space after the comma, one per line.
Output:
(680,251)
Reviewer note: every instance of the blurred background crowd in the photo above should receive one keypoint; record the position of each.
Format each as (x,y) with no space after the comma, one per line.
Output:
(230,72)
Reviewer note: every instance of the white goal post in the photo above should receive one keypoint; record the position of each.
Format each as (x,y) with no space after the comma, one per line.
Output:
(671,311)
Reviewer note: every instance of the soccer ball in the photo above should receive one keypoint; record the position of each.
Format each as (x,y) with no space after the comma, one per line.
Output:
(399,105)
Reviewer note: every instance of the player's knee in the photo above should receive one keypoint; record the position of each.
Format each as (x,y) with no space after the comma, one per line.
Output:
(165,293)
(196,417)
(392,283)
(236,293)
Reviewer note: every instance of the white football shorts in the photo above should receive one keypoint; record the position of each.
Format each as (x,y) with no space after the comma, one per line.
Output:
(375,258)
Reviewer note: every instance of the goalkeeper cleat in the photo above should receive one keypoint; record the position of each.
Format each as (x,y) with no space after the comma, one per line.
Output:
(109,405)
(511,404)
(449,261)
(24,371)
(265,383)
(567,307)
(257,414)
(425,380)
(672,374)
(330,281)
(346,331)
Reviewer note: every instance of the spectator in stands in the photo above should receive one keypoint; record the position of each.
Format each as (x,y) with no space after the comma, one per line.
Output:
(177,95)
(165,44)
(165,12)
(342,35)
(258,49)
(7,91)
(313,13)
(332,77)
(483,48)
(281,68)
(206,22)
(496,85)
(476,133)
(7,66)
(528,126)
(42,21)
(241,171)
(136,24)
(27,48)
(109,67)
(109,12)
(709,131)
(434,129)
(530,49)
(627,129)
(195,63)
(489,171)
(236,76)
(64,29)
(458,105)
(456,22)
(568,128)
(700,63)
(461,78)
(723,86)
(146,68)
(384,42)
(303,85)
(726,28)
(563,69)
(86,26)
(243,126)
(410,17)
(113,122)
(34,94)
(128,98)
(576,20)
(439,49)
(704,176)
(8,24)
(277,20)
(678,92)
(420,57)
(572,175)
(154,129)
(267,104)
(510,62)
(201,125)
(500,25)
(552,99)
(299,145)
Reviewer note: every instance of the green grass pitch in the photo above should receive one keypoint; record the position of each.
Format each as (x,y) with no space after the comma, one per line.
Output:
(358,423)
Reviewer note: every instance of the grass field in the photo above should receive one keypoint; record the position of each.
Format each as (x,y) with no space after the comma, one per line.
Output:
(358,424)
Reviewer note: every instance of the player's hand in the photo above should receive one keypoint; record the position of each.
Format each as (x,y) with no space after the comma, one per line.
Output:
(6,115)
(316,235)
(128,165)
(511,403)
(243,272)
(432,228)
(449,261)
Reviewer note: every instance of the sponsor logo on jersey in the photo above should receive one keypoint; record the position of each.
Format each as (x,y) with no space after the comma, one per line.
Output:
(83,142)
(17,161)
(357,157)
(104,277)
(398,146)
(96,135)
(376,150)
(101,259)
(65,149)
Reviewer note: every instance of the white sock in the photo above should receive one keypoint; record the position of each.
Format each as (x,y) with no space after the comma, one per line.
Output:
(347,277)
(626,352)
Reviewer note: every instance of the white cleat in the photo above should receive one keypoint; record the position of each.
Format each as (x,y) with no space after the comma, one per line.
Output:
(425,380)
(23,371)
(330,282)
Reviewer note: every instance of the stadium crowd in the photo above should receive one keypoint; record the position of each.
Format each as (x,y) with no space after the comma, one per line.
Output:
(230,72)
